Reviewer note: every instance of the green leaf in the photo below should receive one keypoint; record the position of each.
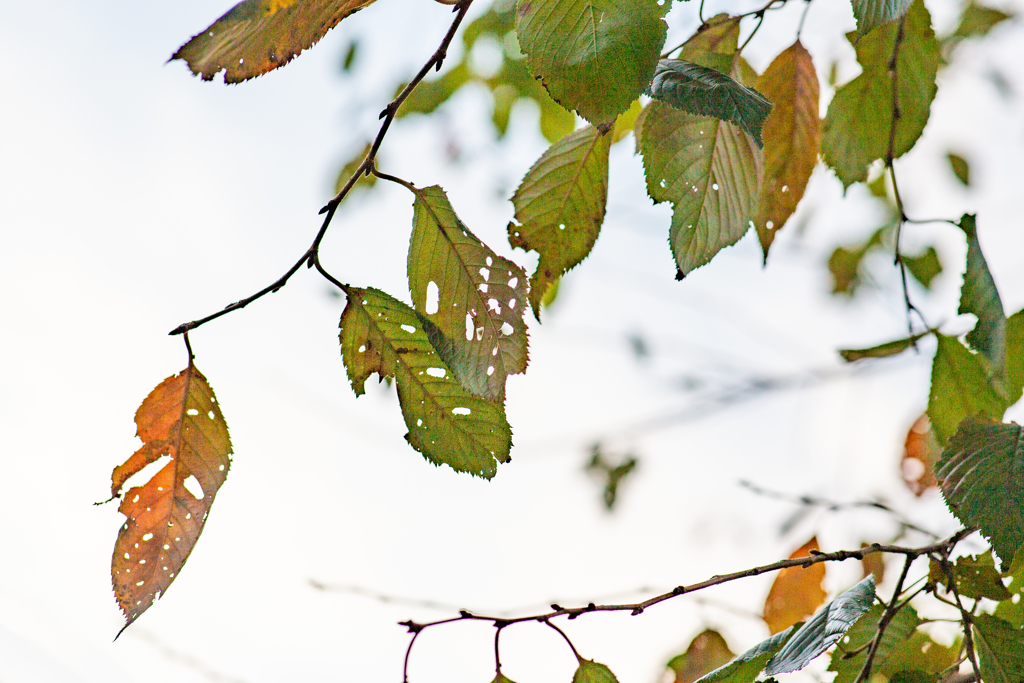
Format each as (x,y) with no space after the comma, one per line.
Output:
(593,56)
(827,626)
(746,667)
(257,36)
(480,297)
(711,172)
(981,476)
(1012,609)
(900,628)
(872,13)
(975,577)
(714,45)
(961,169)
(978,20)
(1015,356)
(860,117)
(792,136)
(886,350)
(501,678)
(924,267)
(1000,650)
(706,652)
(707,92)
(980,297)
(913,676)
(962,386)
(920,653)
(365,181)
(447,424)
(593,672)
(560,207)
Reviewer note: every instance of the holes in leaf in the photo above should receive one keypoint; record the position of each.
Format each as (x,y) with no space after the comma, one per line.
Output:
(506,329)
(409,328)
(561,226)
(362,349)
(419,423)
(469,327)
(490,370)
(512,303)
(485,273)
(483,288)
(770,225)
(433,297)
(714,186)
(785,188)
(462,411)
(192,485)
(436,372)
(210,415)
(489,261)
(146,537)
(191,411)
(494,305)
(513,283)
(143,476)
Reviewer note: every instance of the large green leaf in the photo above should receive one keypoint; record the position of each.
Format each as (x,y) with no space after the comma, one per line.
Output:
(447,424)
(560,206)
(872,13)
(826,627)
(1000,650)
(593,56)
(980,297)
(849,656)
(480,297)
(593,672)
(711,172)
(257,36)
(981,476)
(962,386)
(860,117)
(746,667)
(707,92)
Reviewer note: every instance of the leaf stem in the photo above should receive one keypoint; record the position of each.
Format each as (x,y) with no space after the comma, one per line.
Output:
(562,633)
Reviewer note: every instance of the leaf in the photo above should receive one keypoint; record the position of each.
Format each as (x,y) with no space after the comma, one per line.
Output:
(961,169)
(796,591)
(981,476)
(975,577)
(706,92)
(924,267)
(365,181)
(1000,650)
(626,121)
(900,628)
(593,672)
(873,564)
(560,207)
(613,475)
(714,45)
(746,667)
(480,296)
(860,117)
(501,678)
(826,627)
(978,20)
(1012,610)
(872,13)
(962,386)
(447,424)
(792,136)
(180,420)
(257,36)
(886,350)
(980,297)
(593,56)
(921,451)
(1015,356)
(706,652)
(711,172)
(920,653)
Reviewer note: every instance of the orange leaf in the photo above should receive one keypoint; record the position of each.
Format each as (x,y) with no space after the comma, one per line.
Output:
(179,420)
(796,593)
(920,452)
(873,564)
(792,136)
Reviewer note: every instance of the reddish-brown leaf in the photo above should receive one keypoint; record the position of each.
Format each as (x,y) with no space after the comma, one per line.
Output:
(179,420)
(796,593)
(792,135)
(920,453)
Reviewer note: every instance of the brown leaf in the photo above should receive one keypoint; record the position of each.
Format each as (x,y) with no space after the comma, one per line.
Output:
(920,453)
(796,593)
(792,135)
(706,652)
(873,564)
(180,420)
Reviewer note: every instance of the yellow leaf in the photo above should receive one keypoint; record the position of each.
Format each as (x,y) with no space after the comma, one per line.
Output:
(796,593)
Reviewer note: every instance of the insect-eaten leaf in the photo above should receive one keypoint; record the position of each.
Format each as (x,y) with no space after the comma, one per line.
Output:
(921,451)
(706,652)
(181,421)
(963,385)
(796,591)
(980,297)
(447,424)
(974,577)
(851,650)
(475,298)
(560,207)
(257,36)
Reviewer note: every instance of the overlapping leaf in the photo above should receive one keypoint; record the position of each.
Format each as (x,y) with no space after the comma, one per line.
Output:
(981,475)
(480,297)
(593,56)
(980,297)
(796,592)
(560,206)
(708,92)
(257,36)
(792,136)
(872,13)
(848,658)
(860,116)
(706,652)
(447,424)
(180,420)
(714,45)
(1000,650)
(962,386)
(746,667)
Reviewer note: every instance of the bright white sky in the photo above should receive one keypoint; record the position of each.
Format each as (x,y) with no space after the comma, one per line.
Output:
(134,197)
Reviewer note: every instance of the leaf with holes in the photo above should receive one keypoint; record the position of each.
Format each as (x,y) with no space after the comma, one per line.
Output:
(474,297)
(257,36)
(962,386)
(980,297)
(560,207)
(706,652)
(851,651)
(179,421)
(872,13)
(886,350)
(796,591)
(1000,650)
(593,56)
(974,576)
(593,672)
(447,424)
(792,136)
(746,667)
(981,476)
(860,117)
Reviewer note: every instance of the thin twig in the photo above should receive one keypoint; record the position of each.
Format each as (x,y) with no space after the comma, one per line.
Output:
(803,17)
(562,633)
(891,611)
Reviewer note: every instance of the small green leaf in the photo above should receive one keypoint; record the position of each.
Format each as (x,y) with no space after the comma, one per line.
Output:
(365,181)
(872,13)
(978,20)
(746,667)
(593,56)
(1000,650)
(961,169)
(980,297)
(924,267)
(560,207)
(975,577)
(962,386)
(885,350)
(827,626)
(900,628)
(981,476)
(592,672)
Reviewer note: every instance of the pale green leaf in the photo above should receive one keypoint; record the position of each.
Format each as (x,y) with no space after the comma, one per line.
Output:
(885,350)
(480,297)
(962,386)
(593,56)
(980,297)
(560,207)
(1000,650)
(746,667)
(977,20)
(447,424)
(593,672)
(924,267)
(872,13)
(365,181)
(961,169)
(706,652)
(1015,356)
(900,628)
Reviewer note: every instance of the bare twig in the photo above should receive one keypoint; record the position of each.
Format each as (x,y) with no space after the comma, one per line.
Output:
(891,610)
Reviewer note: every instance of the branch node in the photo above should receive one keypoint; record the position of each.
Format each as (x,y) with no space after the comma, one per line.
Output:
(464,614)
(412,626)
